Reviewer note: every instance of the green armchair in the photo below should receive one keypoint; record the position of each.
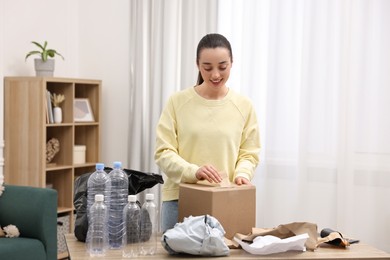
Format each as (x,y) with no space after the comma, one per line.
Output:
(34,212)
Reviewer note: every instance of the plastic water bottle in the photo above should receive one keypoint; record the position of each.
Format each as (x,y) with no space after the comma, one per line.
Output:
(98,183)
(149,226)
(132,217)
(119,194)
(97,238)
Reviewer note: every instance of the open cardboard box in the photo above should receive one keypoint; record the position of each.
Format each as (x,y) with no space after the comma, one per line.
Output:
(234,206)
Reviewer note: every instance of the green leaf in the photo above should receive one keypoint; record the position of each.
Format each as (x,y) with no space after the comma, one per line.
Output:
(44,53)
(40,46)
(44,56)
(51,53)
(60,55)
(32,53)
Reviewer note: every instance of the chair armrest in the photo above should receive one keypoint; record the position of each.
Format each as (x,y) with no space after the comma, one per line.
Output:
(34,212)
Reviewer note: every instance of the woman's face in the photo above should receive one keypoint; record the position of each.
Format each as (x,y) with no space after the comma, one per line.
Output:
(214,65)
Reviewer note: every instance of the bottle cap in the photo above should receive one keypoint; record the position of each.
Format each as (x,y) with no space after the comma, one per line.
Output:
(100,166)
(132,198)
(99,197)
(150,196)
(117,165)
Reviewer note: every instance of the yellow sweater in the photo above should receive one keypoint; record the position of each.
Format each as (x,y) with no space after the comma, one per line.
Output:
(193,131)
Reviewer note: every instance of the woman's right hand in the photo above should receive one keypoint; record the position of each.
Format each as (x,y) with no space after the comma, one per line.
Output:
(209,173)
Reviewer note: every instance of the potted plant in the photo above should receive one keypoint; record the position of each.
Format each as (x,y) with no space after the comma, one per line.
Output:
(44,66)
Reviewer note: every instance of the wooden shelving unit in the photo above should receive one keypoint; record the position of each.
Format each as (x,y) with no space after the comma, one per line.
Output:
(27,131)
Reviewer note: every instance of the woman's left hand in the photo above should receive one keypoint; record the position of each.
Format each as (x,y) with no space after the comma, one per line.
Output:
(242,180)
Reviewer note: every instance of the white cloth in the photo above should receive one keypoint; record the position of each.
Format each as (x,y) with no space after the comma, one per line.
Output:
(200,235)
(265,245)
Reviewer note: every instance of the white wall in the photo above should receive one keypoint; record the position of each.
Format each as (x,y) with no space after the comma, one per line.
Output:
(92,35)
(104,29)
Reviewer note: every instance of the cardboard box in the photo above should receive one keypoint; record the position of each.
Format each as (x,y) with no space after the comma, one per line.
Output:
(234,207)
(79,152)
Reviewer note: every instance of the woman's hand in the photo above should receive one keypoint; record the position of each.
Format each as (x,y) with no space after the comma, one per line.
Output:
(209,173)
(242,180)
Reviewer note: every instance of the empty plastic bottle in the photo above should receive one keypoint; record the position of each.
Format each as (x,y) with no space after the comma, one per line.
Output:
(98,183)
(97,236)
(149,217)
(119,196)
(132,217)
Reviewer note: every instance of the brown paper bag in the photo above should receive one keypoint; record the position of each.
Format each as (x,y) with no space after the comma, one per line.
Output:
(332,237)
(282,231)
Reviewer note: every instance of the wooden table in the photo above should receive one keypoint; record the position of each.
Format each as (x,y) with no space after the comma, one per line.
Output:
(77,251)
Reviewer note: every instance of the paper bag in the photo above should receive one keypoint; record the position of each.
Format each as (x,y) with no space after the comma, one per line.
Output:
(283,231)
(333,237)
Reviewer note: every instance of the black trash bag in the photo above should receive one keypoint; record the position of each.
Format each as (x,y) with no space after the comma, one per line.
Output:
(138,182)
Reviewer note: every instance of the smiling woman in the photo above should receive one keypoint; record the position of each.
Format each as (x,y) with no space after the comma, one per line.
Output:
(206,130)
(214,66)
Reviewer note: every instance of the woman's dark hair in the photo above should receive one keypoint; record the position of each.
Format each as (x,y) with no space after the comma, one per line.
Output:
(212,41)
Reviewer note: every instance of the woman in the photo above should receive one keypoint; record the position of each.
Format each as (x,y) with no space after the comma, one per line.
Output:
(206,130)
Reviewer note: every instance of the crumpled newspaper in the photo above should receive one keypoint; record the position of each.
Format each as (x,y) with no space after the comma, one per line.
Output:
(265,245)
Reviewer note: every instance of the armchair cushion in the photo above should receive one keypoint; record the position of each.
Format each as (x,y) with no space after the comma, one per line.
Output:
(21,248)
(34,212)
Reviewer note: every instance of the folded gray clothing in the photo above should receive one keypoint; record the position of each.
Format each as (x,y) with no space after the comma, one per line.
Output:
(200,235)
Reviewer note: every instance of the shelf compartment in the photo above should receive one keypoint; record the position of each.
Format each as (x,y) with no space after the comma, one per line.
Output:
(89,136)
(90,91)
(62,181)
(64,134)
(65,88)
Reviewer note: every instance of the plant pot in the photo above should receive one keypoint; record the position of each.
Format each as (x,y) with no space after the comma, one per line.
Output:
(44,68)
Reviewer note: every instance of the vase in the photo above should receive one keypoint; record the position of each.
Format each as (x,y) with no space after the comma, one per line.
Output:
(57,112)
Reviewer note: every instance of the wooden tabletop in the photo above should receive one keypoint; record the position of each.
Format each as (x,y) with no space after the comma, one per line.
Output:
(77,251)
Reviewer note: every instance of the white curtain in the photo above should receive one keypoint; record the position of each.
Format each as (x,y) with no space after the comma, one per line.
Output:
(318,74)
(163,40)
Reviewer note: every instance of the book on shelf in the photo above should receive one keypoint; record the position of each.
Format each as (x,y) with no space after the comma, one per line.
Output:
(49,107)
(47,112)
